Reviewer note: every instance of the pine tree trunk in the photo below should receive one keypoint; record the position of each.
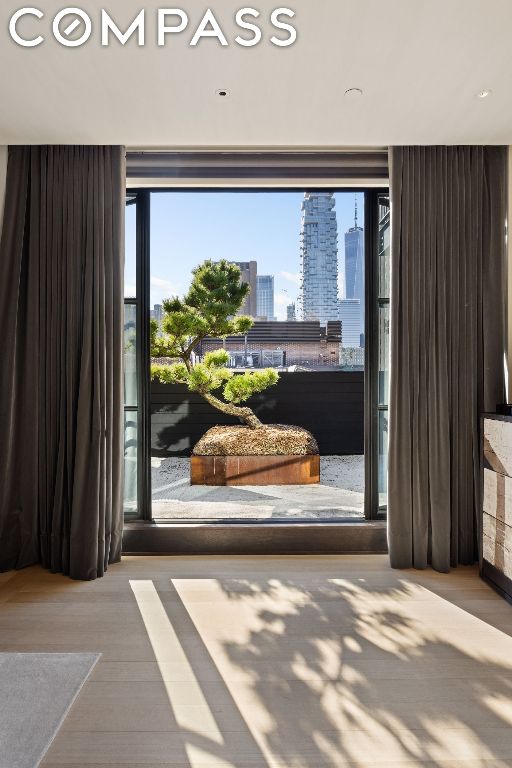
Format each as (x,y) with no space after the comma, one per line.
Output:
(245,414)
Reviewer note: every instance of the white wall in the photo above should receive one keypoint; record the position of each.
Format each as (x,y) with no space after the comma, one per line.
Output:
(3,171)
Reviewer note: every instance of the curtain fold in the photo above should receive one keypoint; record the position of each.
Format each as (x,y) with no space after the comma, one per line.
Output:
(61,397)
(448,320)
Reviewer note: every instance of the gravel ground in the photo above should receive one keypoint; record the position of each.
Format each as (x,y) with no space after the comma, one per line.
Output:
(339,494)
(267,440)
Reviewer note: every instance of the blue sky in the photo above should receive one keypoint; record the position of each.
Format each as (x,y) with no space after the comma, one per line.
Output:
(189,227)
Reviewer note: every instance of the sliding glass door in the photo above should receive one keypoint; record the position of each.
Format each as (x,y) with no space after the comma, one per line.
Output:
(131,409)
(377,378)
(383,261)
(136,356)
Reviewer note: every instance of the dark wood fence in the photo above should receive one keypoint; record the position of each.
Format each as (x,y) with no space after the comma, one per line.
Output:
(330,404)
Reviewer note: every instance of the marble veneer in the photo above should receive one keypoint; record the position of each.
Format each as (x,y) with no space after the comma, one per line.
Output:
(497,500)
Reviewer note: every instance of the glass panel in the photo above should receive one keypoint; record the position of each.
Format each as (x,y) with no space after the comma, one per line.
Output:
(130,355)
(130,362)
(130,257)
(351,280)
(302,255)
(383,370)
(130,465)
(303,262)
(383,269)
(384,246)
(383,458)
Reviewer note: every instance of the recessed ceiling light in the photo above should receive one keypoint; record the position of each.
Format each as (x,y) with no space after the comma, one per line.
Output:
(353,92)
(483,94)
(222,92)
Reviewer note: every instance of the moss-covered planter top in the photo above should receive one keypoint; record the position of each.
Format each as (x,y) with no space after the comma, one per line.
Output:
(268,440)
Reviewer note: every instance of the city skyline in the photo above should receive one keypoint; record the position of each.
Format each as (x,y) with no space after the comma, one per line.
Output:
(189,227)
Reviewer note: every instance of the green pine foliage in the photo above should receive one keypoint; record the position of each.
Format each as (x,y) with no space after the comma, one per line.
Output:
(208,309)
(240,388)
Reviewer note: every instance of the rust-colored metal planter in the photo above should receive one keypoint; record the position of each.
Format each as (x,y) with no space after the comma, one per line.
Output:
(255,470)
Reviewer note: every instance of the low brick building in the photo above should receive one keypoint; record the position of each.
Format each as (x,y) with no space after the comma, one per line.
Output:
(304,343)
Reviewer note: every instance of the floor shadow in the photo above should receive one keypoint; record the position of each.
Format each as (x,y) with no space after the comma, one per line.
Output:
(218,733)
(349,672)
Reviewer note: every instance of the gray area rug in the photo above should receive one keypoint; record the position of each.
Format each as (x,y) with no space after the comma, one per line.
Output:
(36,692)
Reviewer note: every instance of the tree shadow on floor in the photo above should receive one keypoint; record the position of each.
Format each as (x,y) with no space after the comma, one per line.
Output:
(350,673)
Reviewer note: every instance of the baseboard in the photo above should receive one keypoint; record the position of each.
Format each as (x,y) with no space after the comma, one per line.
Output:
(497,580)
(351,537)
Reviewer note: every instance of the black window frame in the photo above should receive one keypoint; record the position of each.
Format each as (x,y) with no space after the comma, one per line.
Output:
(142,199)
(373,302)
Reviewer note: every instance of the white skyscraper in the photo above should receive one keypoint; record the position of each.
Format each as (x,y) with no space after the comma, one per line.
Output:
(319,258)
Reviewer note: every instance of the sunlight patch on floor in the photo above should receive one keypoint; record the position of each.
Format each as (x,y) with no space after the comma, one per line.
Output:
(168,649)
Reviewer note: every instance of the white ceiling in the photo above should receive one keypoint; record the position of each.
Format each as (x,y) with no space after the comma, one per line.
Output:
(419,62)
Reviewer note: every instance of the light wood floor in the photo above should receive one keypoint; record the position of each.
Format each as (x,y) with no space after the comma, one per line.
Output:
(278,662)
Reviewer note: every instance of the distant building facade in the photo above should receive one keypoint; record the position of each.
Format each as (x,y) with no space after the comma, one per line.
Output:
(350,315)
(319,258)
(299,314)
(157,313)
(352,357)
(249,272)
(265,297)
(291,314)
(354,267)
(305,343)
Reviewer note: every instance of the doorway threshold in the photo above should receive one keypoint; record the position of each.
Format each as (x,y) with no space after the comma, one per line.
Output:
(255,538)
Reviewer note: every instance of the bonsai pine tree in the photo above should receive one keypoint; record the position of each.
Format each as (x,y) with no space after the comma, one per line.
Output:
(209,309)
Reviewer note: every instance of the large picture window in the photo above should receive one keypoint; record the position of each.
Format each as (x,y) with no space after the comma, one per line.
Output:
(303,254)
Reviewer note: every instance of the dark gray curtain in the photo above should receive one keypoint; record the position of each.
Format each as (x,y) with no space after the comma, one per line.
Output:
(61,323)
(448,311)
